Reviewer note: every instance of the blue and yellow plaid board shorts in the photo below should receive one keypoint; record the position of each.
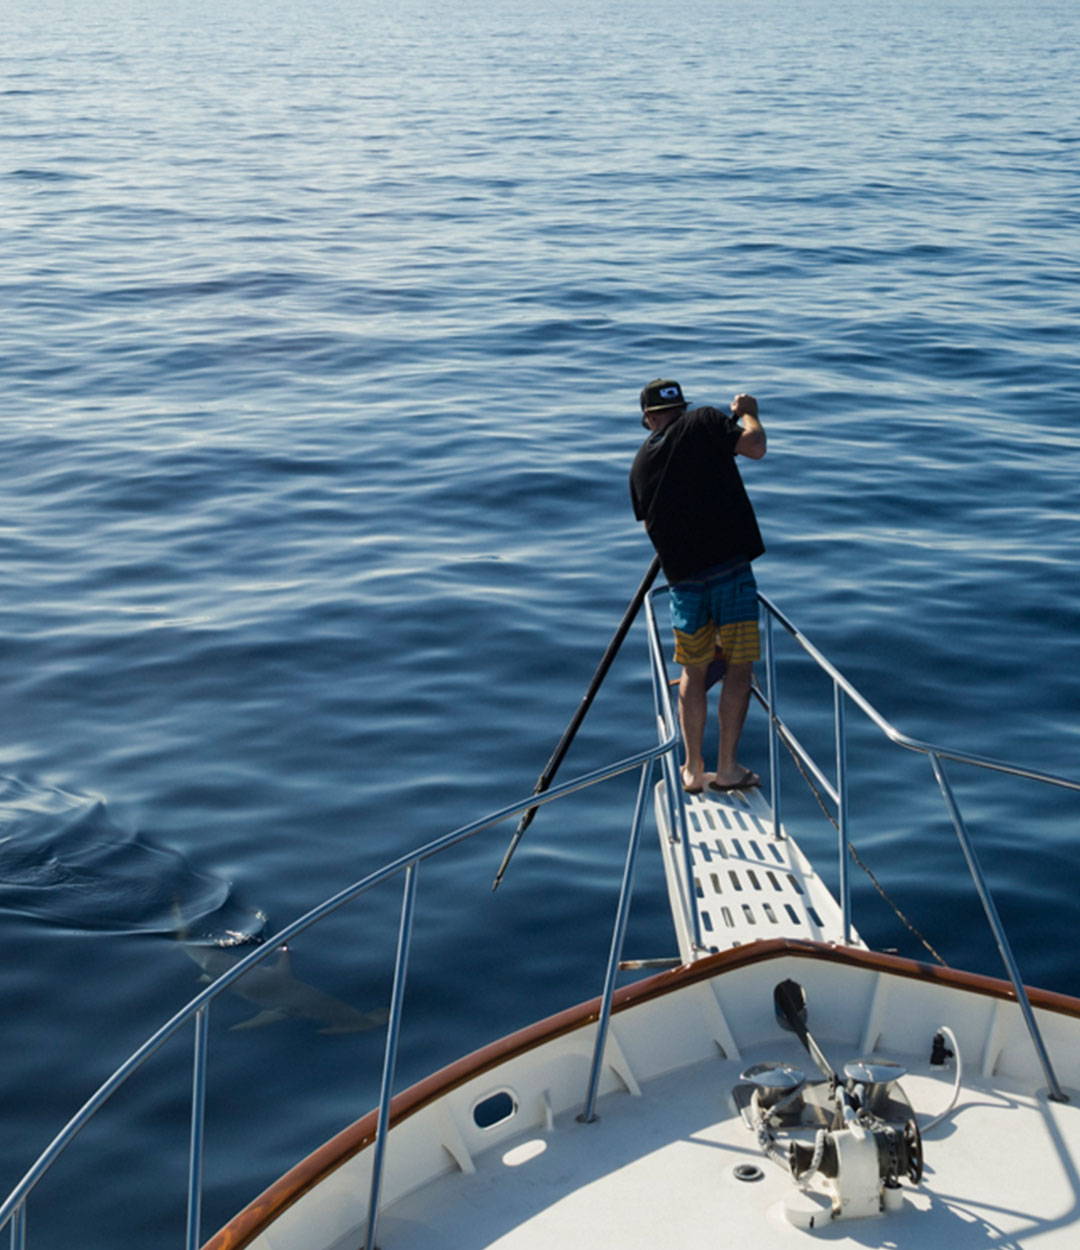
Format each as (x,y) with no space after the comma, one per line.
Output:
(719,609)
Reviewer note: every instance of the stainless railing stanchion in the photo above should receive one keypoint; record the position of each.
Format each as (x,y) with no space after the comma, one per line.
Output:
(774,727)
(666,726)
(618,933)
(662,707)
(1004,949)
(18,1229)
(393,1030)
(674,786)
(673,778)
(193,1237)
(842,809)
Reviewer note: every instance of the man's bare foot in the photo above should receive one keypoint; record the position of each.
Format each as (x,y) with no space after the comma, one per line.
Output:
(740,779)
(692,782)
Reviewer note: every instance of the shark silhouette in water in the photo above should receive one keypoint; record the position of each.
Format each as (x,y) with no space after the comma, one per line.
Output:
(279,995)
(64,861)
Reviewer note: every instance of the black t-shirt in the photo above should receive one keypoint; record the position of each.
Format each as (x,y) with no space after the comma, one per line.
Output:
(686,487)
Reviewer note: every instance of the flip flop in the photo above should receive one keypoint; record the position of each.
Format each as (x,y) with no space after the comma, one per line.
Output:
(748,781)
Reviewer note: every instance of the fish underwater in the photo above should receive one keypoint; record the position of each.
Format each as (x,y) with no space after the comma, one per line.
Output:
(65,861)
(279,995)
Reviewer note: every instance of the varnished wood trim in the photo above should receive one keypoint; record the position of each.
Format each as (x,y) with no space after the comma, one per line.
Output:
(244,1227)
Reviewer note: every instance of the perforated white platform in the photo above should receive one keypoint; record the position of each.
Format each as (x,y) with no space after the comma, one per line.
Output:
(748,883)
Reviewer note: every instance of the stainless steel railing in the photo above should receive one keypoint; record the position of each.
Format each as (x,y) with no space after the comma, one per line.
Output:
(196,1012)
(836,790)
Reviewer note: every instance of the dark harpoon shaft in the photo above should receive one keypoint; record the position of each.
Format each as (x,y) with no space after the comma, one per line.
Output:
(547,776)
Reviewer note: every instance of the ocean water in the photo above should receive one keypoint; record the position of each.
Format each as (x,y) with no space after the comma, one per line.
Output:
(323,330)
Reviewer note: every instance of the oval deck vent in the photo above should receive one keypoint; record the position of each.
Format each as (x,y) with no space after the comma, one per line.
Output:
(494,1109)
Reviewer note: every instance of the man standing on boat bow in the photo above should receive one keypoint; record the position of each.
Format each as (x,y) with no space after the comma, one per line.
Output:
(686,487)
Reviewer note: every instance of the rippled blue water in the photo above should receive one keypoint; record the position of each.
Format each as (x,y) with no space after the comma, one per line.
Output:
(323,331)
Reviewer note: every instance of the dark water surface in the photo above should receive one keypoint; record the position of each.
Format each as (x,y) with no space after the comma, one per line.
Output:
(323,332)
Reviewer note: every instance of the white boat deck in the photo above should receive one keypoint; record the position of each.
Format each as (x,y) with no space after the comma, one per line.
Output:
(657,1171)
(749,883)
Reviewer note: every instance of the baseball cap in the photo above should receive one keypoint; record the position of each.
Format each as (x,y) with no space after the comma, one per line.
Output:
(662,393)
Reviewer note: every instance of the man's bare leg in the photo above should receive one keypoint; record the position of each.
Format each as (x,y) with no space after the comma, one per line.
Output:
(693,712)
(734,701)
